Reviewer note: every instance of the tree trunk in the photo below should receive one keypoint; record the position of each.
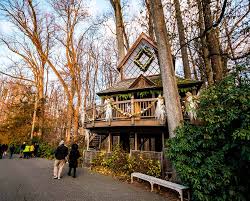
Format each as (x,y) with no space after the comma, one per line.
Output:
(69,119)
(34,118)
(119,28)
(170,90)
(212,42)
(182,39)
(204,50)
(41,105)
(150,21)
(193,64)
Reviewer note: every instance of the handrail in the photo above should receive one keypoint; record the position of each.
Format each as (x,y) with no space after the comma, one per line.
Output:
(132,106)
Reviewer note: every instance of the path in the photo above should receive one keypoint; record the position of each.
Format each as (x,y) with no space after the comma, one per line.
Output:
(31,180)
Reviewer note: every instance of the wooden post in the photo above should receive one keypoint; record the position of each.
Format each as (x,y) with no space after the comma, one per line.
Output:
(87,137)
(153,107)
(94,108)
(110,143)
(136,142)
(163,141)
(100,142)
(150,144)
(118,139)
(132,109)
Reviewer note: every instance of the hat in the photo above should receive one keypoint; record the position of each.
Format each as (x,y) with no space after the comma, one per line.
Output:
(62,142)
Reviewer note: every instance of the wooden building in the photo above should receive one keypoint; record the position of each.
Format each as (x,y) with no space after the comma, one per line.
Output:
(127,115)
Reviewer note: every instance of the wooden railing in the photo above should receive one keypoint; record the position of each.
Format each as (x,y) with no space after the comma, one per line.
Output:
(133,106)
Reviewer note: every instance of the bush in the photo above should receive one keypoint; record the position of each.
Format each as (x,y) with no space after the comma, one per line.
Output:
(214,158)
(46,150)
(120,163)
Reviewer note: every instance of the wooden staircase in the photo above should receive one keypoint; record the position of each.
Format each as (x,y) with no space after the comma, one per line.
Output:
(96,140)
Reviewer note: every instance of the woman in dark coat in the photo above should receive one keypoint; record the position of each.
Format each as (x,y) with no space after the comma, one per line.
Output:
(73,156)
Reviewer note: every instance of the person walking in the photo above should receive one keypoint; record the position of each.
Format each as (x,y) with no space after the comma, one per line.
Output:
(36,149)
(22,147)
(73,156)
(12,149)
(26,151)
(4,149)
(60,155)
(32,149)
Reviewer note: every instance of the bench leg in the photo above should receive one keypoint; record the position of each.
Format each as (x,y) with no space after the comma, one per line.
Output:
(181,194)
(132,179)
(188,195)
(152,186)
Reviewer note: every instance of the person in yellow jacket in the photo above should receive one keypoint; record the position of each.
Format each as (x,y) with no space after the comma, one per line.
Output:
(26,151)
(32,149)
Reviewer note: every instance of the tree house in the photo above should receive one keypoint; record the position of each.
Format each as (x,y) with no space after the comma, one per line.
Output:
(128,113)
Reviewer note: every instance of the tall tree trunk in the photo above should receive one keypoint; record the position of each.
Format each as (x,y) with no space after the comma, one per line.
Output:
(41,103)
(70,111)
(193,63)
(150,21)
(76,120)
(212,42)
(182,39)
(119,28)
(170,90)
(34,117)
(204,50)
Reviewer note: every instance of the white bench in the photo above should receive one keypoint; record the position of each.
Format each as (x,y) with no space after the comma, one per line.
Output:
(153,180)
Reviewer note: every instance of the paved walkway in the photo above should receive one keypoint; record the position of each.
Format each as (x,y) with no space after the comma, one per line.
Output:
(31,180)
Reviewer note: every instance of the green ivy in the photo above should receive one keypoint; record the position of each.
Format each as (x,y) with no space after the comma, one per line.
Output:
(123,96)
(214,157)
(185,90)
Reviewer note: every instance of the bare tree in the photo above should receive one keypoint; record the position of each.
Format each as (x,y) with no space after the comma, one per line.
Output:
(182,39)
(150,20)
(212,42)
(36,28)
(72,14)
(120,29)
(170,90)
(203,46)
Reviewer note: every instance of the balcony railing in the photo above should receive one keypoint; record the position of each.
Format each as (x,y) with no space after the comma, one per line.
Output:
(137,108)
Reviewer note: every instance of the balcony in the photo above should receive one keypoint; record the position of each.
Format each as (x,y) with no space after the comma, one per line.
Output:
(134,112)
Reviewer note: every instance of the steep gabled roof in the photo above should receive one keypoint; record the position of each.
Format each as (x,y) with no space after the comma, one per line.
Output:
(142,36)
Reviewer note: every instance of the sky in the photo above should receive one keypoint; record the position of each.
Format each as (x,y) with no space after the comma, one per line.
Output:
(96,7)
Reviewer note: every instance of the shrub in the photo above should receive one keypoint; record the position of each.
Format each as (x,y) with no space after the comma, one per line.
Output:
(46,150)
(214,158)
(120,163)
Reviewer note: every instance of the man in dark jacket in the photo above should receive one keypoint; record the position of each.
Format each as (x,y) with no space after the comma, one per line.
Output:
(12,149)
(60,154)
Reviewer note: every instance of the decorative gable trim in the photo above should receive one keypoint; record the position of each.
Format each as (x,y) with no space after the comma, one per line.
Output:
(142,82)
(143,36)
